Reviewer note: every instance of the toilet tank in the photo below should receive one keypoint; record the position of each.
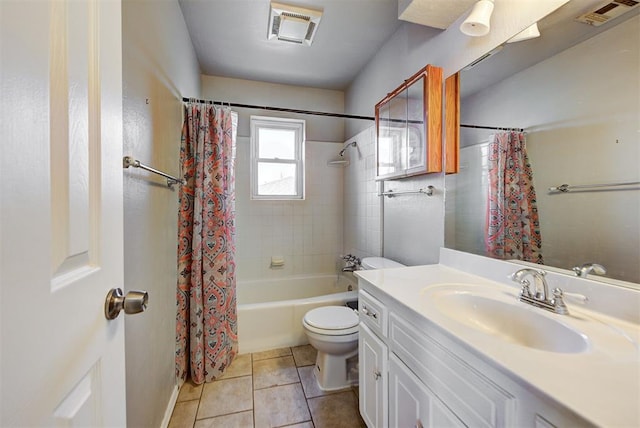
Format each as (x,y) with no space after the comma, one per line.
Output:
(371,263)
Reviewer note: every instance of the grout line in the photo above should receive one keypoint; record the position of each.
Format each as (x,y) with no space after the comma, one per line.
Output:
(304,394)
(253,393)
(195,417)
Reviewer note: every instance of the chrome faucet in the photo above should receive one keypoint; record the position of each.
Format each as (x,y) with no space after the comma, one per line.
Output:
(539,296)
(353,263)
(541,288)
(585,269)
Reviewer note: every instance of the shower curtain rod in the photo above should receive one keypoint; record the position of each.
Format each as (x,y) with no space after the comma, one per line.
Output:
(282,109)
(492,127)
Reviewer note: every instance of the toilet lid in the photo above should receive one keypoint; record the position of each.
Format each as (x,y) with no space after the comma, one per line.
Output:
(332,318)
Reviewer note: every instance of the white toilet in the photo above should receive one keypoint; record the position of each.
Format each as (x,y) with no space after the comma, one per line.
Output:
(333,332)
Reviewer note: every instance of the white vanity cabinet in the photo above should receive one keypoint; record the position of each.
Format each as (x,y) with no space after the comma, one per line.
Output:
(412,404)
(373,358)
(372,372)
(412,374)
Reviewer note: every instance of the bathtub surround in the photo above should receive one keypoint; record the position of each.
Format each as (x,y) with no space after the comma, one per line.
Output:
(159,67)
(206,321)
(305,234)
(284,301)
(362,205)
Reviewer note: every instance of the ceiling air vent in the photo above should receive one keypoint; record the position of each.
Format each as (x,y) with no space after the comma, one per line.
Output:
(607,11)
(293,24)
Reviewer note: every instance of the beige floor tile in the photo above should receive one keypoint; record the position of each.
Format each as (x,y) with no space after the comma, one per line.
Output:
(240,366)
(279,406)
(189,391)
(234,420)
(310,384)
(336,411)
(273,353)
(302,425)
(226,396)
(274,372)
(184,414)
(304,355)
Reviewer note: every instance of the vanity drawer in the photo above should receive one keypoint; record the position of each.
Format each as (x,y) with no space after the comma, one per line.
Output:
(474,398)
(372,313)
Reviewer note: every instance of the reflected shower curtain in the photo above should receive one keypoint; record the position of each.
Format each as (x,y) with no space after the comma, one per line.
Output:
(206,327)
(513,229)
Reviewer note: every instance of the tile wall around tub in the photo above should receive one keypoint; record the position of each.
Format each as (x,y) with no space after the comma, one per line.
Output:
(362,205)
(307,233)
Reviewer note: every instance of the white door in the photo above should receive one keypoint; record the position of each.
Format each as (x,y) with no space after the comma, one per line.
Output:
(61,250)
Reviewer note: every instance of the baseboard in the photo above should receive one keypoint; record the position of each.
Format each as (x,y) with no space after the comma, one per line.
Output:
(169,411)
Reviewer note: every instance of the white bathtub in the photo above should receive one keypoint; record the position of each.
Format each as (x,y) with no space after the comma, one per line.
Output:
(270,311)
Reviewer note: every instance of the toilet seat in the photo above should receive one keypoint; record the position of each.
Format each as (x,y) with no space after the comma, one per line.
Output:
(331,320)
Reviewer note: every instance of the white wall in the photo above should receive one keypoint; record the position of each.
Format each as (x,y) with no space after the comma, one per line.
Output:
(159,66)
(318,128)
(414,46)
(581,110)
(306,233)
(414,225)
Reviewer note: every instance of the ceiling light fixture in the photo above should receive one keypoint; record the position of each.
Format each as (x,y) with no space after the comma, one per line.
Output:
(477,23)
(529,33)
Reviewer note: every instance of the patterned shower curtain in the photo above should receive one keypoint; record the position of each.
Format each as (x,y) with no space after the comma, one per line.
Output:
(206,327)
(513,229)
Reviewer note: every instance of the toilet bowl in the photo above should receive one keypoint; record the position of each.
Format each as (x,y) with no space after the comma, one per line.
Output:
(333,332)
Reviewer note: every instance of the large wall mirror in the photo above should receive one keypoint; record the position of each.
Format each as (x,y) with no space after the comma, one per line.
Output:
(575,92)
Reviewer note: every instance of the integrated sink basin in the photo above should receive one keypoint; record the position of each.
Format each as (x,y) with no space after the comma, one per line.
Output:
(500,315)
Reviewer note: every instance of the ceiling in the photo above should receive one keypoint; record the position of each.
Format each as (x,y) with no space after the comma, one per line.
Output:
(559,31)
(230,40)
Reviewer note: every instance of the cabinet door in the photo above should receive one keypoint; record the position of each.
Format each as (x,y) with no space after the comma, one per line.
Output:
(372,374)
(412,404)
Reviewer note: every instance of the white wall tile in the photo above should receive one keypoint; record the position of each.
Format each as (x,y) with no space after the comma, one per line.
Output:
(308,233)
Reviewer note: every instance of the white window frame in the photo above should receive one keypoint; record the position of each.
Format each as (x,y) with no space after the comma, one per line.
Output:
(296,125)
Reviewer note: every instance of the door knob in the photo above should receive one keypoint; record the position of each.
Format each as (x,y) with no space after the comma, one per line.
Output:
(133,303)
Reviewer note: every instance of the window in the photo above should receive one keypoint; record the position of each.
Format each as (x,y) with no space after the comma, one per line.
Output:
(277,158)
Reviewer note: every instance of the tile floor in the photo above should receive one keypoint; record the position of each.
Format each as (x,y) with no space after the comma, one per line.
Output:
(267,389)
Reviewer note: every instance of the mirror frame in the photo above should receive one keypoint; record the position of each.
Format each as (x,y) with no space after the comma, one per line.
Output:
(452,124)
(431,78)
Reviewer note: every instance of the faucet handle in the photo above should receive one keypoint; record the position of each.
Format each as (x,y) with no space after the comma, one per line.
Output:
(525,291)
(559,306)
(578,298)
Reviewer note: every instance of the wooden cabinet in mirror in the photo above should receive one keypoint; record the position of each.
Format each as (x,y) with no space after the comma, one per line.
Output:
(409,127)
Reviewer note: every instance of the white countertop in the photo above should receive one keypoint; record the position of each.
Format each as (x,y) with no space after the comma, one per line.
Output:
(601,385)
